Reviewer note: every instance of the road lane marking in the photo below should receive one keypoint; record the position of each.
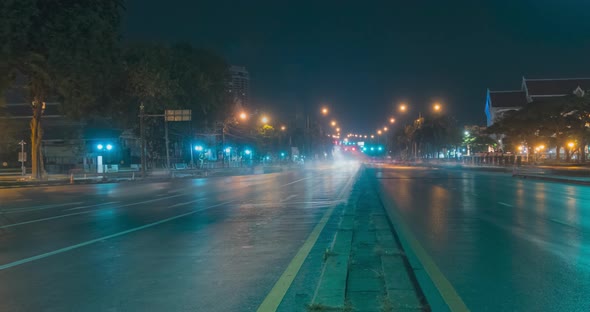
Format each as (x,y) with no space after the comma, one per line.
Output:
(505,204)
(294,182)
(83,212)
(444,287)
(186,203)
(92,241)
(45,219)
(27,209)
(90,206)
(278,291)
(275,296)
(139,203)
(288,197)
(54,217)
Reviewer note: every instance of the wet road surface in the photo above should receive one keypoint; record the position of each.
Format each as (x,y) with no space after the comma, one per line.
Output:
(504,244)
(212,244)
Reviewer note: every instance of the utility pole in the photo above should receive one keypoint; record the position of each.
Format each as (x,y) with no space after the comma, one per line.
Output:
(22,157)
(142,139)
(166,138)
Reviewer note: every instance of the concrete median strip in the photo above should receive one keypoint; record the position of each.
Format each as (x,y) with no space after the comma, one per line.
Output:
(366,268)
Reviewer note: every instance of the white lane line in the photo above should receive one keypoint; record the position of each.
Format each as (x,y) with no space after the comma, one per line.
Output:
(27,209)
(138,203)
(45,219)
(90,206)
(294,182)
(288,198)
(186,203)
(505,204)
(86,243)
(78,213)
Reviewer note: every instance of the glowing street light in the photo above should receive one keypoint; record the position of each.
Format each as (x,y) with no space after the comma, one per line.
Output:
(325,111)
(109,147)
(466,133)
(337,129)
(436,107)
(391,120)
(243,116)
(372,136)
(333,123)
(379,132)
(385,129)
(100,146)
(571,144)
(198,148)
(264,120)
(283,128)
(403,107)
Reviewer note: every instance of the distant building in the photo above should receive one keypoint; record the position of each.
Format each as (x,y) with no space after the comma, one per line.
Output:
(238,84)
(500,102)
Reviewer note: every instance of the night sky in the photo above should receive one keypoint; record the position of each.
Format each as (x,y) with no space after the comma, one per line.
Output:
(362,57)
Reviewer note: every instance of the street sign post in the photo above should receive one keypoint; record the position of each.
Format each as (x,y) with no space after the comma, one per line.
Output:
(22,157)
(169,115)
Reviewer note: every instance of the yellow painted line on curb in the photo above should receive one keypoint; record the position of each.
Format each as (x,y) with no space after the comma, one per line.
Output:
(275,296)
(445,288)
(277,293)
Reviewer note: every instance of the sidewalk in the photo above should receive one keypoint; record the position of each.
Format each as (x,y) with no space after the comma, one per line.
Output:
(552,177)
(15,181)
(366,268)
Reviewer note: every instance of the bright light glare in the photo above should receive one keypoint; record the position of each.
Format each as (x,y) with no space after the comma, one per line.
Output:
(99,146)
(198,148)
(228,149)
(264,119)
(248,152)
(325,110)
(109,147)
(243,116)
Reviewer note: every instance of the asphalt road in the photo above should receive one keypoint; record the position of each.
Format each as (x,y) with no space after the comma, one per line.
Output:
(211,244)
(504,244)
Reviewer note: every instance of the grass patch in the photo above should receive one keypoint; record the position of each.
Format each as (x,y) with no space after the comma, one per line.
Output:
(328,253)
(386,305)
(320,307)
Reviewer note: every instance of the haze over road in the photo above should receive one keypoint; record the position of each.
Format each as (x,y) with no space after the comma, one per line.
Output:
(213,244)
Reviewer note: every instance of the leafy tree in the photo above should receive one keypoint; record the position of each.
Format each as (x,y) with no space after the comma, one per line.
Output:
(65,49)
(552,122)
